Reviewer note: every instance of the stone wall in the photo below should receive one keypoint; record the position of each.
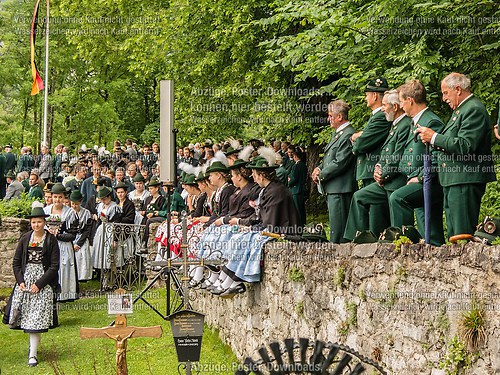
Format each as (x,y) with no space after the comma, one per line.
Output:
(402,307)
(10,231)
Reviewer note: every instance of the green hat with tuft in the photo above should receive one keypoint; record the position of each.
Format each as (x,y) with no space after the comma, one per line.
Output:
(76,196)
(261,163)
(217,166)
(37,212)
(58,188)
(121,185)
(103,192)
(153,182)
(238,163)
(377,85)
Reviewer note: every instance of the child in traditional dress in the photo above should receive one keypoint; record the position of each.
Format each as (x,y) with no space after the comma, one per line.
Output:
(81,244)
(107,211)
(63,223)
(35,265)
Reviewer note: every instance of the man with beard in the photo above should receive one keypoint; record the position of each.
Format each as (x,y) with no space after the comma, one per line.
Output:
(387,174)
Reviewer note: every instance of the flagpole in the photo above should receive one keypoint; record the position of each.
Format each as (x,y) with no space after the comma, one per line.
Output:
(46,93)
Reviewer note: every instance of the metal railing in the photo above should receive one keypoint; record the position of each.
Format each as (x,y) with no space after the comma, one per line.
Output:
(123,256)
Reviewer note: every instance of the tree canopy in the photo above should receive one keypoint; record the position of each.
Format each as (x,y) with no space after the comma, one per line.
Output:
(250,68)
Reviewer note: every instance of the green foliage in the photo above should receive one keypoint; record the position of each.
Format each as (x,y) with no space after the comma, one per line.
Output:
(496,241)
(352,310)
(490,204)
(343,330)
(401,241)
(151,133)
(456,359)
(339,277)
(362,294)
(300,309)
(472,325)
(401,274)
(16,207)
(443,322)
(296,274)
(241,67)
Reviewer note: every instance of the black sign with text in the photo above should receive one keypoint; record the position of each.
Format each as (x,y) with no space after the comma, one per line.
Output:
(187,329)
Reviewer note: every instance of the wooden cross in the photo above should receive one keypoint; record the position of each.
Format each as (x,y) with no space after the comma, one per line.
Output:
(120,332)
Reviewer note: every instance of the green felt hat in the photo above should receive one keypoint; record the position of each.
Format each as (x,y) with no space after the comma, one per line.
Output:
(238,163)
(48,186)
(389,235)
(103,192)
(58,188)
(76,196)
(377,85)
(201,177)
(230,150)
(411,232)
(37,212)
(189,179)
(11,175)
(217,166)
(121,185)
(314,232)
(489,230)
(153,182)
(365,237)
(139,178)
(261,163)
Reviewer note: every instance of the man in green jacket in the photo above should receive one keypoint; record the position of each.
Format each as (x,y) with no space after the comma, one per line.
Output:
(465,162)
(408,201)
(367,145)
(335,176)
(387,174)
(35,191)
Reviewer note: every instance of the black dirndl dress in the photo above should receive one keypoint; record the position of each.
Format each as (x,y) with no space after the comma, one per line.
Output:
(33,312)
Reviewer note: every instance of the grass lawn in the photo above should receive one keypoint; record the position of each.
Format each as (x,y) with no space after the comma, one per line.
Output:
(62,351)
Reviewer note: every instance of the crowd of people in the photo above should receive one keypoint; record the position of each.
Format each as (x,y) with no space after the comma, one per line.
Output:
(221,186)
(238,196)
(387,160)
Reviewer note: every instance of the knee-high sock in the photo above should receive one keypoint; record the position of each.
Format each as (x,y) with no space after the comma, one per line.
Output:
(214,276)
(235,283)
(222,276)
(34,342)
(227,283)
(198,274)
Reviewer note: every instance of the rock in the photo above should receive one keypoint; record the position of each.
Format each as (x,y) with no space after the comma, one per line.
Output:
(364,250)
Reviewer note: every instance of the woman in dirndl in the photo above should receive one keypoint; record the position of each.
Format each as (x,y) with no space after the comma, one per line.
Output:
(63,224)
(107,212)
(138,196)
(83,255)
(36,264)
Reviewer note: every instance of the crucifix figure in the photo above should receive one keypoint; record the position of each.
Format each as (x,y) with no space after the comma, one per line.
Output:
(121,351)
(120,332)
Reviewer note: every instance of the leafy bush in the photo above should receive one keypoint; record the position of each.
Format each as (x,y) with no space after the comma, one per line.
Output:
(16,207)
